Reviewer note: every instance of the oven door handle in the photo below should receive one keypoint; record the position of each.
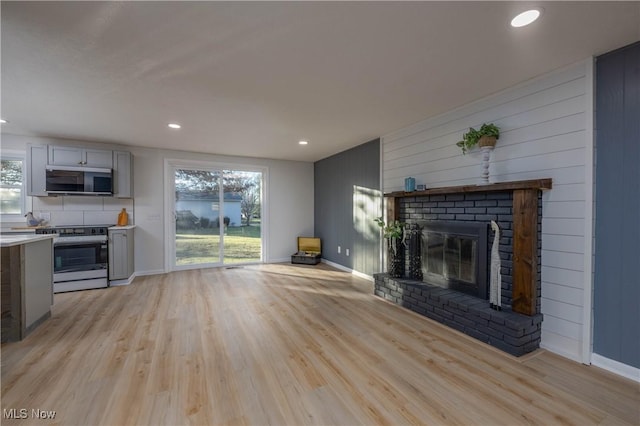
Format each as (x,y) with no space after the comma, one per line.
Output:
(82,240)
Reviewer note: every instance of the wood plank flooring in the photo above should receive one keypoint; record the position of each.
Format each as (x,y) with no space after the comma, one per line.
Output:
(284,345)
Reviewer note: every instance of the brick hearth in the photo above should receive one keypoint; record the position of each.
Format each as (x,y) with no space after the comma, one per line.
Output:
(511,332)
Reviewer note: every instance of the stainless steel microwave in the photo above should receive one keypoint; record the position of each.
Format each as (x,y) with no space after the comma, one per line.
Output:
(79,180)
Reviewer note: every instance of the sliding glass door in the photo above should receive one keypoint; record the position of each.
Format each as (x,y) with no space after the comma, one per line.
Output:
(242,238)
(217,216)
(197,217)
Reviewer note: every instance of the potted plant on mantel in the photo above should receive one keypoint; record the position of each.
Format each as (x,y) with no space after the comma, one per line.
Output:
(394,234)
(485,136)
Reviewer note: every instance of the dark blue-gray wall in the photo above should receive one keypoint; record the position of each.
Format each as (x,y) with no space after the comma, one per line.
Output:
(616,319)
(347,199)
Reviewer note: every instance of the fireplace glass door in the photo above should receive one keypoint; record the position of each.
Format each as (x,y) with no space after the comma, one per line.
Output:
(455,256)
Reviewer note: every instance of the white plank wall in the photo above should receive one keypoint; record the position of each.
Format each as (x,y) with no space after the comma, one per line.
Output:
(544,134)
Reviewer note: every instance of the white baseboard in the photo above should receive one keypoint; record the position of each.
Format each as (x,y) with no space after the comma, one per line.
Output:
(118,283)
(561,345)
(282,260)
(344,268)
(363,276)
(616,367)
(151,272)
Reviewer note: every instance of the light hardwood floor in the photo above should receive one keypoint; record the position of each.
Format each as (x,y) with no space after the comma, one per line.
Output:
(280,344)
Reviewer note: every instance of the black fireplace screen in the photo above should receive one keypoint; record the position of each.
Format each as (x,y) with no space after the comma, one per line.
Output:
(455,256)
(450,256)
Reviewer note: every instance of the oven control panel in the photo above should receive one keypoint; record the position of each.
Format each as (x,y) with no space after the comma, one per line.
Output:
(46,231)
(75,231)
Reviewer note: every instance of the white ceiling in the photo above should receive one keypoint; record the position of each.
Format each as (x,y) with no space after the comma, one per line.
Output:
(252,79)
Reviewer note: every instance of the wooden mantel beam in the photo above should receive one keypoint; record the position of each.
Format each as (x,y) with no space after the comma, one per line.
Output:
(540,184)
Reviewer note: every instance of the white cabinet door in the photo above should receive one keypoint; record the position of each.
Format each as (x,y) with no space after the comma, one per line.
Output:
(122,174)
(73,156)
(98,158)
(120,254)
(38,280)
(36,170)
(65,156)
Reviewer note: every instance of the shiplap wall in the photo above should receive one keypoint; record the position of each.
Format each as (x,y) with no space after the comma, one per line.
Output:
(544,134)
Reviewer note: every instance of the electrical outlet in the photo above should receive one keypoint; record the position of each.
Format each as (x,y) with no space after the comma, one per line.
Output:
(347,252)
(338,249)
(46,216)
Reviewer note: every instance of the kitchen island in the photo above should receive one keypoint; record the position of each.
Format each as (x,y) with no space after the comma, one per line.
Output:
(27,283)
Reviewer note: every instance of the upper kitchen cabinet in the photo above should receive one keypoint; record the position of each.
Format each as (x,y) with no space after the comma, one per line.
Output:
(122,174)
(41,156)
(83,157)
(36,170)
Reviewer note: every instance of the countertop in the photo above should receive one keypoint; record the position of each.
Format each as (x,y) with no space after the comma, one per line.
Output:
(20,230)
(116,227)
(15,240)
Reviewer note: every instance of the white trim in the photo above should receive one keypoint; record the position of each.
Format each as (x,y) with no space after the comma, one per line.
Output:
(281,260)
(264,212)
(344,268)
(383,210)
(616,367)
(363,276)
(169,246)
(560,350)
(150,272)
(119,283)
(26,204)
(587,302)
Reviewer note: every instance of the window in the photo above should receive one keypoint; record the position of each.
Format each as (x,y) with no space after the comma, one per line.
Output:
(12,197)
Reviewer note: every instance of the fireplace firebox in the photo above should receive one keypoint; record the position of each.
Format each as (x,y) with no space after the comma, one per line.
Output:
(454,256)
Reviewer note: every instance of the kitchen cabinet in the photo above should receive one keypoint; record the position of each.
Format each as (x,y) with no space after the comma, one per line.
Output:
(39,156)
(122,174)
(120,253)
(84,157)
(36,170)
(27,284)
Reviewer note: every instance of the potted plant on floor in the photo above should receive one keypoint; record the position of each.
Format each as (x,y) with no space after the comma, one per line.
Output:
(394,235)
(485,136)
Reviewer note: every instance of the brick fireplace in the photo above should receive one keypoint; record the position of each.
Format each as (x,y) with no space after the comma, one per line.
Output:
(443,295)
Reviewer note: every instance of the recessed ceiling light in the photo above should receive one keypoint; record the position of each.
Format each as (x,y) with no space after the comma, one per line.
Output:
(525,18)
(174,125)
(303,143)
(3,121)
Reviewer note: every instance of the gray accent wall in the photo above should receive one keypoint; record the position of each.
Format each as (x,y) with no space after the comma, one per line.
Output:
(616,317)
(347,199)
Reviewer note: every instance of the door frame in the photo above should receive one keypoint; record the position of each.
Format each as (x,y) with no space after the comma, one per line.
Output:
(169,205)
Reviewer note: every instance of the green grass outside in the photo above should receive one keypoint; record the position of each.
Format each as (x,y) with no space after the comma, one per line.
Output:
(195,246)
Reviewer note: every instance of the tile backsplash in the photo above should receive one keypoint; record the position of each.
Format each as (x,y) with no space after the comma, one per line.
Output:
(78,210)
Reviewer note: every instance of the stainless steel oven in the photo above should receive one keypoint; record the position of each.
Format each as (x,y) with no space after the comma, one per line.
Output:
(80,257)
